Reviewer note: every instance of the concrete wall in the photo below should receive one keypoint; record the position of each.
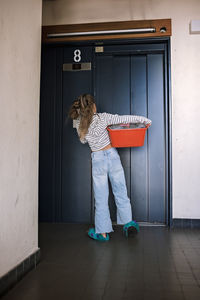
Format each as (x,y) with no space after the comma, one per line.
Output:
(20,32)
(185,57)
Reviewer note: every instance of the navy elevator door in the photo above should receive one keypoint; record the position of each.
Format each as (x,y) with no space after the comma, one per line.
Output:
(125,79)
(134,84)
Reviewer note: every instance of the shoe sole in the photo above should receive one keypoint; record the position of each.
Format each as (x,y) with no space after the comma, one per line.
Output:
(97,239)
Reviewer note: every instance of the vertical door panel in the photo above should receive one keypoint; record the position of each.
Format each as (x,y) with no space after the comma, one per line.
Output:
(156,143)
(104,82)
(139,165)
(113,96)
(76,171)
(121,104)
(104,101)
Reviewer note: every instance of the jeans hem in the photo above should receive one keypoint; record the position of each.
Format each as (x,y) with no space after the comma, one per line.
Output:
(104,231)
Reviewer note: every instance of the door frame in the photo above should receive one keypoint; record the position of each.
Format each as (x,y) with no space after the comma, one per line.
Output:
(168,99)
(106,30)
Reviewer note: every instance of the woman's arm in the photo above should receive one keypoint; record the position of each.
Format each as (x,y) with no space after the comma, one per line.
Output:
(77,124)
(111,119)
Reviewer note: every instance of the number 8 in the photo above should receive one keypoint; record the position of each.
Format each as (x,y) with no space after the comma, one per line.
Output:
(77,55)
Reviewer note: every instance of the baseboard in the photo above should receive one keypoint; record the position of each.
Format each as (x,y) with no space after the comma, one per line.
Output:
(10,279)
(186,223)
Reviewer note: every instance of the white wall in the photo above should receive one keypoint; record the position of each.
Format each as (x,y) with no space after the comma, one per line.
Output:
(185,55)
(20,33)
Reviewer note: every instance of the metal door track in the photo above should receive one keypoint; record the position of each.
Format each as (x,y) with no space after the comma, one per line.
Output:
(143,224)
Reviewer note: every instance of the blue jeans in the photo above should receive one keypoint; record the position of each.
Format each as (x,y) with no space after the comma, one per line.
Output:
(107,164)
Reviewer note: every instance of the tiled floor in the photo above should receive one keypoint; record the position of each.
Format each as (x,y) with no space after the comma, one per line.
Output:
(158,263)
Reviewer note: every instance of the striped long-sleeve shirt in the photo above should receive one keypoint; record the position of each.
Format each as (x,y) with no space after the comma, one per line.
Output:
(97,136)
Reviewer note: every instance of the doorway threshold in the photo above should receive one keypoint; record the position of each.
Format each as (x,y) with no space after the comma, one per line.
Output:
(142,224)
(151,224)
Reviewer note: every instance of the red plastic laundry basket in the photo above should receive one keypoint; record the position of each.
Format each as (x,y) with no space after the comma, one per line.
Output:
(129,137)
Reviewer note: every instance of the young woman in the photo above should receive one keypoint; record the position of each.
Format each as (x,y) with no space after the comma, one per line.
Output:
(91,128)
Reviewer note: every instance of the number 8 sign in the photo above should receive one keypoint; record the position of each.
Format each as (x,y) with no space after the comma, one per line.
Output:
(77,55)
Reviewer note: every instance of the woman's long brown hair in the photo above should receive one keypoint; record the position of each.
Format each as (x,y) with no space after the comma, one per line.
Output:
(83,107)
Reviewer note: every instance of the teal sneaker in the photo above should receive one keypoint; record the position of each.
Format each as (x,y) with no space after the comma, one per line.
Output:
(132,226)
(97,236)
